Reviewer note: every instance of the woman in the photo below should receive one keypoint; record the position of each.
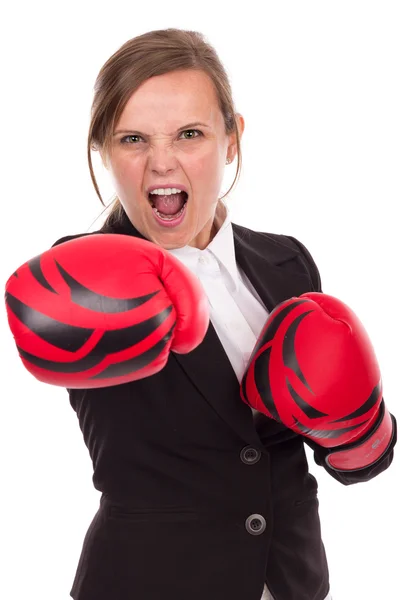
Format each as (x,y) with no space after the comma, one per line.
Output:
(202,497)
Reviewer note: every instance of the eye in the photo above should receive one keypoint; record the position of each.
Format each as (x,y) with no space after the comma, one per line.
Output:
(190,131)
(123,140)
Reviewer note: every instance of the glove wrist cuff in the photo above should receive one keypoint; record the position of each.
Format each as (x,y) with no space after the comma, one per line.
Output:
(366,451)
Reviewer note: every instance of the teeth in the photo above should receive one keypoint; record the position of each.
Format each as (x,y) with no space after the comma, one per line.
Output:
(166,191)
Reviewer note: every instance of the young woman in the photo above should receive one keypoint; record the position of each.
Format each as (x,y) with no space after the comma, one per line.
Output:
(206,492)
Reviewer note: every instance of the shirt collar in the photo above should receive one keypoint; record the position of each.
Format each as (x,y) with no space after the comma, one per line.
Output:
(221,246)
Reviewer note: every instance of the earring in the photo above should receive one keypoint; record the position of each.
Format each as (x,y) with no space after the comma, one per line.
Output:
(228,161)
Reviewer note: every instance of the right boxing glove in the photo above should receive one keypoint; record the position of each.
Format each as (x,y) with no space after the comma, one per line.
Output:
(103,309)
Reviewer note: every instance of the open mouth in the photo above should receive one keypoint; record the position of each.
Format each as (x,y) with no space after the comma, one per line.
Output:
(168,207)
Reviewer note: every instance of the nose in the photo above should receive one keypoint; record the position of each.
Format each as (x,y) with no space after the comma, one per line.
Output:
(162,160)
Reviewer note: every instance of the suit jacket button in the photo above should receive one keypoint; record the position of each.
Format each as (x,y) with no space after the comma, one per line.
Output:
(249,455)
(256,524)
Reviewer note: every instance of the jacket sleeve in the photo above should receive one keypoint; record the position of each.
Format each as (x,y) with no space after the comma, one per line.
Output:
(320,453)
(66,238)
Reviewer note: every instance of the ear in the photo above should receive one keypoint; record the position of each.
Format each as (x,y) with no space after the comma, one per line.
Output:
(240,124)
(232,147)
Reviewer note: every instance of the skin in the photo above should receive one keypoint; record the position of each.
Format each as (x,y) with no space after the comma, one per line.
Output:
(194,157)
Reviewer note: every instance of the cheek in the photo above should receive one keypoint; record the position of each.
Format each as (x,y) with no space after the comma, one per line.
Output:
(125,174)
(207,171)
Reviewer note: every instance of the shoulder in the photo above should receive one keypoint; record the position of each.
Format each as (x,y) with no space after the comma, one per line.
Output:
(262,237)
(118,224)
(66,238)
(279,240)
(284,247)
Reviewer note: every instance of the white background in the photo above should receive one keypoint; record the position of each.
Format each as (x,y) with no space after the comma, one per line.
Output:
(318,85)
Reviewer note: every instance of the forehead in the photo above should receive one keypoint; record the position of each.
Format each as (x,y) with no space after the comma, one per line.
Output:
(171,99)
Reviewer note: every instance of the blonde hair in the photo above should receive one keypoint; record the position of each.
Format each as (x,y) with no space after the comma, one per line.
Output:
(153,53)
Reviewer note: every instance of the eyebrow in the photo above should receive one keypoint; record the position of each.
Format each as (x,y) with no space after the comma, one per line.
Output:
(196,124)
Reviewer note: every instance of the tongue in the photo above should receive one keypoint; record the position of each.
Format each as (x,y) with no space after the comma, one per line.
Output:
(169,205)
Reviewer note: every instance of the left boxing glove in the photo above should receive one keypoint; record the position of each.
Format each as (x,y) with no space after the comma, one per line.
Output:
(314,370)
(102,310)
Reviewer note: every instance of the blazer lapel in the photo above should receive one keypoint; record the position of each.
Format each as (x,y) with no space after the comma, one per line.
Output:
(270,265)
(211,372)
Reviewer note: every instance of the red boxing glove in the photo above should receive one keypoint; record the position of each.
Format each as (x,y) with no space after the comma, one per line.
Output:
(102,310)
(314,370)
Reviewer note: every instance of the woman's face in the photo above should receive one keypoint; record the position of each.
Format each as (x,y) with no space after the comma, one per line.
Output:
(171,134)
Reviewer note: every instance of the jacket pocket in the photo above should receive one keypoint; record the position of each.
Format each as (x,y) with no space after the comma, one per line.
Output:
(169,514)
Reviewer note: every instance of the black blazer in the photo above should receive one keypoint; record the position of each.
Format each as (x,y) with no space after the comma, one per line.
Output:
(200,500)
